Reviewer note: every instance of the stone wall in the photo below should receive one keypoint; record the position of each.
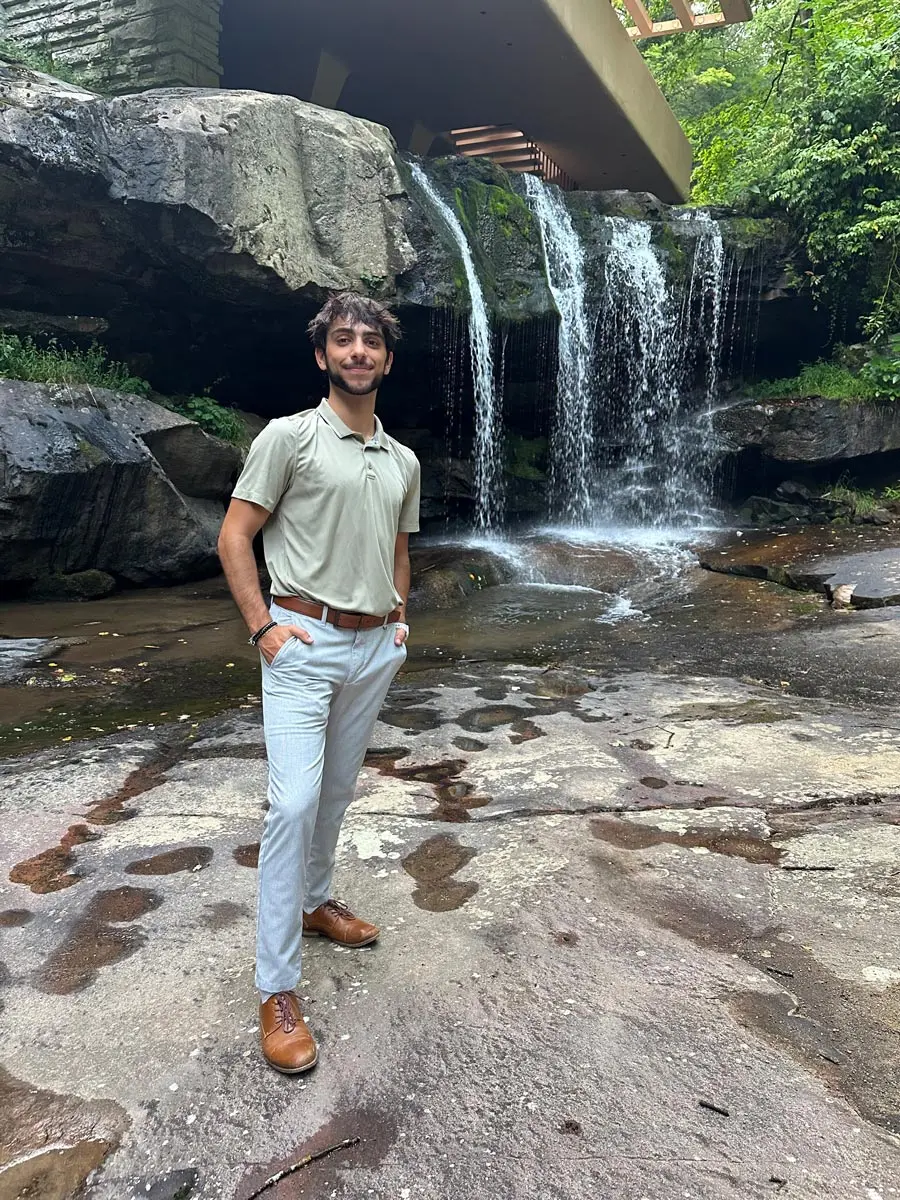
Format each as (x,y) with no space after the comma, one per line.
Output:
(123,45)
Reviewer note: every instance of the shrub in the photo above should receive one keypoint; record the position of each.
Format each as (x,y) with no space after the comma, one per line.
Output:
(882,372)
(827,379)
(23,358)
(210,415)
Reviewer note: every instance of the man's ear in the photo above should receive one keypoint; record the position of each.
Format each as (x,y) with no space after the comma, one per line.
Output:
(320,359)
(389,362)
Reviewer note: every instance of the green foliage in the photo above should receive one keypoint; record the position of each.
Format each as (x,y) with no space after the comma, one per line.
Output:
(827,379)
(882,372)
(215,418)
(860,501)
(23,358)
(799,110)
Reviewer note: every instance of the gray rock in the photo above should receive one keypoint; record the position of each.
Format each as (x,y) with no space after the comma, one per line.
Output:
(80,488)
(230,186)
(810,431)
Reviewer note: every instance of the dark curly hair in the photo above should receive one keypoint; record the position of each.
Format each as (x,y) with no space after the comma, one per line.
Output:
(358,310)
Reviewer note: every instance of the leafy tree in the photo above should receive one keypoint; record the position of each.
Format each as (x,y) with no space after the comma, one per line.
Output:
(799,110)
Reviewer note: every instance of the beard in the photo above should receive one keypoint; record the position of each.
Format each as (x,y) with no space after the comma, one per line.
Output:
(350,386)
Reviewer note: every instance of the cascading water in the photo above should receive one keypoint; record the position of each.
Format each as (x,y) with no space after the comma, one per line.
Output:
(572,437)
(701,334)
(489,492)
(651,349)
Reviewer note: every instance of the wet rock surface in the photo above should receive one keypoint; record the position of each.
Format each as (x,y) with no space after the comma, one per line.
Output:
(626,886)
(644,896)
(98,486)
(813,430)
(830,563)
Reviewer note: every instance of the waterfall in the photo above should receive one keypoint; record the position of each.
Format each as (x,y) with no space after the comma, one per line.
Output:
(489,492)
(572,437)
(651,347)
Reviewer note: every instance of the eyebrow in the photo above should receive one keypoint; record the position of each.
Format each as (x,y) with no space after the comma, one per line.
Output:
(351,329)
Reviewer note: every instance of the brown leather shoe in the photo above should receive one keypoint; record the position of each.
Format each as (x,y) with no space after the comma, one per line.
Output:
(335,920)
(287,1044)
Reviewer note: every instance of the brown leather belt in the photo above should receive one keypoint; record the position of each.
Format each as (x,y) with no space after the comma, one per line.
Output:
(342,620)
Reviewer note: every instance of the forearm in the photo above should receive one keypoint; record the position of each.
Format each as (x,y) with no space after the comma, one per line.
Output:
(239,565)
(402,578)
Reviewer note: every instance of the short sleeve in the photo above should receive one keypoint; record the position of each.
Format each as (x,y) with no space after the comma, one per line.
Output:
(269,468)
(409,512)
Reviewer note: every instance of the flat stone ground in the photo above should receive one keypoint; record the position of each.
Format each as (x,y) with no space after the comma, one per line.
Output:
(641,941)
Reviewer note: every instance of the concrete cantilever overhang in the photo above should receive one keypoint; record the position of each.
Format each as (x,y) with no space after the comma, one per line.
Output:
(563,71)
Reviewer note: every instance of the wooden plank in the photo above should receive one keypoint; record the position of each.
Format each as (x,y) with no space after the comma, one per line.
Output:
(640,16)
(682,10)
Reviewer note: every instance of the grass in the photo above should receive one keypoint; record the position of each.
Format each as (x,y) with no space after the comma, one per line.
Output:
(861,501)
(826,379)
(50,362)
(23,358)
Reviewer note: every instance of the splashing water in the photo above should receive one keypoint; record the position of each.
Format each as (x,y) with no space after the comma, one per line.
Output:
(489,487)
(652,347)
(572,441)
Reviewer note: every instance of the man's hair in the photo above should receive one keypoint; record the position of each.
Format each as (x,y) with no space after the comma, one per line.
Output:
(357,310)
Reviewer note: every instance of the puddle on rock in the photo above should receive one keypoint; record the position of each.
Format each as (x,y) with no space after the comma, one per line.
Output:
(184,858)
(748,712)
(653,781)
(629,835)
(50,1143)
(524,731)
(558,685)
(418,720)
(373,1131)
(247,856)
(432,865)
(94,941)
(477,720)
(12,918)
(470,745)
(454,796)
(50,870)
(55,1174)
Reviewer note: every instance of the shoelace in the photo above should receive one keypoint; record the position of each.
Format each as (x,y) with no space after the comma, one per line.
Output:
(285,1012)
(340,909)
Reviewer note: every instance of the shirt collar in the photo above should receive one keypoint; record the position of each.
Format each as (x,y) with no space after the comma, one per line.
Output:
(327,413)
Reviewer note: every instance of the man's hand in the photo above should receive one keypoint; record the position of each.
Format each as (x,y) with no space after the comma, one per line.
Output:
(270,643)
(401,633)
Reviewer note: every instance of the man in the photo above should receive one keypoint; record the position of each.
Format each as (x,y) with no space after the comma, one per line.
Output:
(336,499)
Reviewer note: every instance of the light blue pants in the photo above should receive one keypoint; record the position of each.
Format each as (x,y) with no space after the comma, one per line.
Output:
(320,703)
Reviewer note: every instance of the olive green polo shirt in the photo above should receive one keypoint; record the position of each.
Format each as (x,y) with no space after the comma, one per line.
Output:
(337,504)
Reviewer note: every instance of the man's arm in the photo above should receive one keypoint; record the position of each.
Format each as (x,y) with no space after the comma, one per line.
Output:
(242,523)
(402,577)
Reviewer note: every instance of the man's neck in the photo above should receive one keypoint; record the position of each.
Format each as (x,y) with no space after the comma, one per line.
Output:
(357,412)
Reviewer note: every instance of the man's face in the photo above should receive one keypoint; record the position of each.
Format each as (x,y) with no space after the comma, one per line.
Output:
(355,358)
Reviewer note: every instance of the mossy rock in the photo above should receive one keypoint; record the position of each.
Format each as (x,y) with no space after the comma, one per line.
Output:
(82,585)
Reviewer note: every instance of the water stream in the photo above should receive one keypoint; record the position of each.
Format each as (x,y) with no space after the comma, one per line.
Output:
(572,438)
(653,344)
(488,455)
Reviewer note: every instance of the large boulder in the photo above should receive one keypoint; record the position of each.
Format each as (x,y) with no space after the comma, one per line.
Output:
(231,190)
(812,430)
(83,487)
